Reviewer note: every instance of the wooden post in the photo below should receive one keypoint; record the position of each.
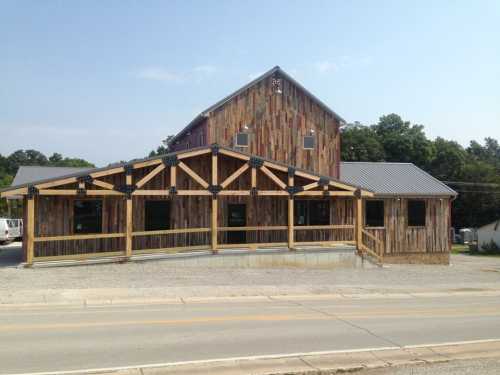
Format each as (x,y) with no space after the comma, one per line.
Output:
(129,222)
(254,177)
(359,223)
(290,216)
(173,176)
(215,206)
(30,231)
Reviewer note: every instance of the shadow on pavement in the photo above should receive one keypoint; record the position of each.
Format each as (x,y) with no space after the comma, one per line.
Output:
(11,255)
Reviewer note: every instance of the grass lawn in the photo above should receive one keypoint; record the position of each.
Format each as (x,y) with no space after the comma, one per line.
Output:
(464,249)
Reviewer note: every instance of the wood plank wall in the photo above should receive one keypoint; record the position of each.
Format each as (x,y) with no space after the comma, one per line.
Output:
(397,238)
(276,125)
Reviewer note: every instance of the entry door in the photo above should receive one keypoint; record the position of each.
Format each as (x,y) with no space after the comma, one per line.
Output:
(237,217)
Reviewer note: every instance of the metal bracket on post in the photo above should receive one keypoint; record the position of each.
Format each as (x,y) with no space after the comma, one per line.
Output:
(256,162)
(323,181)
(127,190)
(81,192)
(172,191)
(292,190)
(215,190)
(215,149)
(170,161)
(291,171)
(254,192)
(32,191)
(357,193)
(129,169)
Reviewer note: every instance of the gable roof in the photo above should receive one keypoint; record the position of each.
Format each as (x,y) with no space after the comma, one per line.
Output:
(28,173)
(276,70)
(393,179)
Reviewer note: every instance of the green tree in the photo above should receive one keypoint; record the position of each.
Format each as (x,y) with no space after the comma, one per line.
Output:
(361,143)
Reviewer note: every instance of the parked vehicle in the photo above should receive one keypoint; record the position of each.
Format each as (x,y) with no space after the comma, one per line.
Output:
(10,230)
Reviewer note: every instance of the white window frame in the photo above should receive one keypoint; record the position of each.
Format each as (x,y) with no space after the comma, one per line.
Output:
(304,142)
(236,139)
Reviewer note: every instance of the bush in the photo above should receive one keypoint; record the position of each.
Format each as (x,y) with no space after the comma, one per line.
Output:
(491,247)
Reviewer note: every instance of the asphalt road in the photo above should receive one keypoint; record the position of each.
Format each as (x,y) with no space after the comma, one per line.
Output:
(55,338)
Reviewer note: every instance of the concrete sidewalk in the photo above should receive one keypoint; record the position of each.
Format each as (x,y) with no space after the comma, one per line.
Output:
(112,296)
(319,363)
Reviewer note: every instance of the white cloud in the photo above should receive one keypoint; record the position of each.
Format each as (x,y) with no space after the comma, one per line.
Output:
(325,66)
(159,74)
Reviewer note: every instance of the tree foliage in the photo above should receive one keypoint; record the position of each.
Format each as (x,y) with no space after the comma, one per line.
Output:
(10,164)
(392,139)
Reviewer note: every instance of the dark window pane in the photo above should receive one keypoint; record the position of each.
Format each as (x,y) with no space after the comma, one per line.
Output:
(157,215)
(87,216)
(309,142)
(311,212)
(374,214)
(300,213)
(242,139)
(319,212)
(416,213)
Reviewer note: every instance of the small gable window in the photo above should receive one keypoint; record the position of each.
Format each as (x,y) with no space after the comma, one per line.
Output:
(416,213)
(309,142)
(241,140)
(87,216)
(374,213)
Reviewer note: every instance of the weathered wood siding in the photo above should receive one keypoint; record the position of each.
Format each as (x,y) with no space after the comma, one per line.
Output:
(399,239)
(276,126)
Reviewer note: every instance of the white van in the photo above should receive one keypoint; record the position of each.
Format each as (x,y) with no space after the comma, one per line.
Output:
(10,229)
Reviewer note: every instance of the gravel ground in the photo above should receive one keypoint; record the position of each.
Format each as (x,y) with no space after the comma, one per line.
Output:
(465,273)
(465,367)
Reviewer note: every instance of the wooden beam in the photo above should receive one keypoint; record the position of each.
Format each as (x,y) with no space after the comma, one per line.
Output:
(110,254)
(50,184)
(143,181)
(234,176)
(310,186)
(129,228)
(30,232)
(74,237)
(359,223)
(271,193)
(261,228)
(340,185)
(275,166)
(103,184)
(190,154)
(254,177)
(291,215)
(173,176)
(171,231)
(213,225)
(147,163)
(193,192)
(152,192)
(306,175)
(193,175)
(173,250)
(234,154)
(75,192)
(107,172)
(273,177)
(323,227)
(235,192)
(215,173)
(20,191)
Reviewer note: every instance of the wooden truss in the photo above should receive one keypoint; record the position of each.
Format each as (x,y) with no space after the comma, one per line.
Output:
(317,186)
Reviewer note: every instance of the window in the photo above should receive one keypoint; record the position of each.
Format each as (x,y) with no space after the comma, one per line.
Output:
(308,142)
(416,213)
(311,212)
(241,140)
(87,216)
(374,214)
(157,215)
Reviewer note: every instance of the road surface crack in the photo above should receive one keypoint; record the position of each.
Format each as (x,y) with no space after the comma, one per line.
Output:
(347,322)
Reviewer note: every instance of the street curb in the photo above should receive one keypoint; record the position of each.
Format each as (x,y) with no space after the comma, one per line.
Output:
(312,363)
(124,301)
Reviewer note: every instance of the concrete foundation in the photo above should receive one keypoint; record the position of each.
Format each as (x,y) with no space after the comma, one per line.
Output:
(324,258)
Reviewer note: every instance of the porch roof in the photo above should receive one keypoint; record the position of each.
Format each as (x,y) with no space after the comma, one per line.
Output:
(38,175)
(394,179)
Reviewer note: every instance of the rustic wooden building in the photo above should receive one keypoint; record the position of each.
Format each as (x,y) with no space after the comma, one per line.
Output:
(260,168)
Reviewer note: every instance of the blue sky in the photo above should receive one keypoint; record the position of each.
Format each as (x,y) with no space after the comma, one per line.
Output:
(107,80)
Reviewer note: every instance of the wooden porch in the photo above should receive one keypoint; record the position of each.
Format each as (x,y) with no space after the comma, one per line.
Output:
(199,184)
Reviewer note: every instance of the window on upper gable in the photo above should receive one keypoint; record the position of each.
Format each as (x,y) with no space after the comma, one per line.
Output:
(241,140)
(309,142)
